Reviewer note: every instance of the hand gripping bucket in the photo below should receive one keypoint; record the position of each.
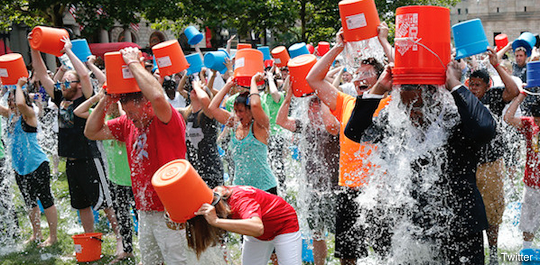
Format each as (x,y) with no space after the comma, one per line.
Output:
(119,78)
(281,56)
(533,74)
(193,35)
(299,68)
(298,49)
(422,45)
(469,38)
(48,40)
(181,190)
(216,60)
(170,58)
(359,19)
(81,49)
(501,41)
(12,68)
(195,63)
(241,46)
(323,48)
(526,40)
(248,62)
(87,246)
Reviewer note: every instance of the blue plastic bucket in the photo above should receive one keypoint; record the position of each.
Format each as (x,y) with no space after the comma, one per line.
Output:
(216,60)
(307,252)
(266,52)
(193,35)
(526,40)
(530,256)
(469,38)
(81,49)
(298,49)
(195,63)
(533,74)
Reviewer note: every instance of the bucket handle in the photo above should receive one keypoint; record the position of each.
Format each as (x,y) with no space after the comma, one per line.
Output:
(97,238)
(531,93)
(425,47)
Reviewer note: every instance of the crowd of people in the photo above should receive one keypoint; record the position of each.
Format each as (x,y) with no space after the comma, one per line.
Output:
(346,130)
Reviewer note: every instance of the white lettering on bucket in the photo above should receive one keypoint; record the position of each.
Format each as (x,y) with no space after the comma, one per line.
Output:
(164,61)
(356,21)
(406,32)
(126,73)
(3,72)
(277,60)
(78,248)
(239,63)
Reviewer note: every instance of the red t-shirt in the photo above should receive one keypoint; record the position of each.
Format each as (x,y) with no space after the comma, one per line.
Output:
(277,215)
(148,149)
(532,170)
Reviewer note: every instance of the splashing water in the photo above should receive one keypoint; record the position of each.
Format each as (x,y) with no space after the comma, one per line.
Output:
(356,51)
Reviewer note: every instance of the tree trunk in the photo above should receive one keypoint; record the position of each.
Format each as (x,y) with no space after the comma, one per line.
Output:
(303,20)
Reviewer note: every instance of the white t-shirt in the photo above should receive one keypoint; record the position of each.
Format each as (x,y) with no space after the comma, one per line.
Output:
(178,101)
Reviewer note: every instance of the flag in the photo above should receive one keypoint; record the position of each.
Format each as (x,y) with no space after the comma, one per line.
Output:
(134,26)
(73,11)
(99,11)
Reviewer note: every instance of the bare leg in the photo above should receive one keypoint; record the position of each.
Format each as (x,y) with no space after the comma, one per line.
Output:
(319,251)
(34,215)
(348,261)
(52,220)
(109,212)
(528,236)
(87,219)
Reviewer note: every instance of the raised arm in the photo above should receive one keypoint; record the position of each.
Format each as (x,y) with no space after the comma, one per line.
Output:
(504,50)
(221,115)
(229,41)
(382,30)
(203,98)
(96,128)
(511,89)
(41,70)
(250,227)
(282,118)
(325,90)
(150,87)
(100,76)
(80,68)
(276,96)
(337,79)
(59,73)
(255,103)
(330,122)
(510,115)
(83,110)
(182,84)
(20,100)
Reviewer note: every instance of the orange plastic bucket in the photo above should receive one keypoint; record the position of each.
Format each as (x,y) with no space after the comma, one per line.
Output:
(281,56)
(87,246)
(422,45)
(119,78)
(170,58)
(501,41)
(323,48)
(48,40)
(247,63)
(181,190)
(12,68)
(359,19)
(241,46)
(299,68)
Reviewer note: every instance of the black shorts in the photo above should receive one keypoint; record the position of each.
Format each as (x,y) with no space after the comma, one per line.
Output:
(36,185)
(468,249)
(350,235)
(88,184)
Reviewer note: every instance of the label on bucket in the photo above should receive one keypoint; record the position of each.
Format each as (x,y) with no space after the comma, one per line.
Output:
(239,63)
(406,32)
(3,72)
(78,248)
(164,61)
(126,73)
(356,21)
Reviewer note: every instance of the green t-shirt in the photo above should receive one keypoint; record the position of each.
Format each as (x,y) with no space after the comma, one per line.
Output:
(272,109)
(119,172)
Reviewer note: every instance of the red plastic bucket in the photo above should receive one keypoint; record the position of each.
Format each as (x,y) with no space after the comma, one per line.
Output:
(87,247)
(501,41)
(241,46)
(119,78)
(422,45)
(359,19)
(170,58)
(247,63)
(12,68)
(299,68)
(181,190)
(281,56)
(48,40)
(323,48)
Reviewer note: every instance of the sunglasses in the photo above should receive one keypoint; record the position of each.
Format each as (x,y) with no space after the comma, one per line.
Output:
(64,85)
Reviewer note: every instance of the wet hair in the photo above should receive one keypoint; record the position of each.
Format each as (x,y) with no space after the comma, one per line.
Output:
(482,74)
(200,234)
(169,83)
(521,49)
(243,99)
(379,68)
(136,97)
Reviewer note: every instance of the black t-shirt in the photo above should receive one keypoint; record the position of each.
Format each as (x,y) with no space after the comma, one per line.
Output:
(202,152)
(493,100)
(71,140)
(320,153)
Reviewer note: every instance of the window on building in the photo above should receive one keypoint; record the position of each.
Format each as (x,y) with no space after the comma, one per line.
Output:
(497,10)
(466,11)
(459,11)
(524,9)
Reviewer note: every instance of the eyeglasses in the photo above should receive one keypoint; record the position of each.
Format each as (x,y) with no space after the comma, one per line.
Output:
(64,85)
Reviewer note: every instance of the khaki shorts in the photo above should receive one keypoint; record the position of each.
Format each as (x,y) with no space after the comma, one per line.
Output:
(489,179)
